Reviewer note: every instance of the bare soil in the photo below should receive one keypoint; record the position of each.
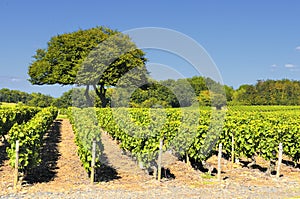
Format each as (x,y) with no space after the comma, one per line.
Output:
(61,172)
(61,168)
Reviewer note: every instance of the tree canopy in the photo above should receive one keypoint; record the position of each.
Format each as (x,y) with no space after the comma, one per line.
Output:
(162,94)
(181,93)
(269,92)
(96,57)
(33,99)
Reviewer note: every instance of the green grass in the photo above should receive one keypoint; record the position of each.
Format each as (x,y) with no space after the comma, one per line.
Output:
(5,104)
(198,108)
(207,176)
(61,116)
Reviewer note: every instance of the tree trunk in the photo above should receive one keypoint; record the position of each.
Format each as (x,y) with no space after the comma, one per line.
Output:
(87,96)
(101,91)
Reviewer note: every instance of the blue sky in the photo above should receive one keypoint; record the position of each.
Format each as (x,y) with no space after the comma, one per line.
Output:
(248,40)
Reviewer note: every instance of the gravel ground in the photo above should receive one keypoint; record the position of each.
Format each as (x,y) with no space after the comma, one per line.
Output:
(232,191)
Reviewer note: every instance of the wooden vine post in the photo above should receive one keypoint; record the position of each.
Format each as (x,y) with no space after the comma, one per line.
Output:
(159,159)
(93,162)
(188,162)
(219,161)
(279,160)
(16,171)
(232,148)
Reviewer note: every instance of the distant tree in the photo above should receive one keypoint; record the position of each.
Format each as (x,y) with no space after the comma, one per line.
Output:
(269,92)
(180,92)
(218,100)
(204,98)
(198,84)
(238,99)
(184,92)
(145,96)
(208,98)
(229,93)
(40,100)
(64,101)
(13,96)
(245,95)
(96,57)
(74,97)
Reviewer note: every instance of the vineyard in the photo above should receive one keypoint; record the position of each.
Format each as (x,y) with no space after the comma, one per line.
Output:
(11,115)
(192,135)
(25,127)
(196,134)
(84,123)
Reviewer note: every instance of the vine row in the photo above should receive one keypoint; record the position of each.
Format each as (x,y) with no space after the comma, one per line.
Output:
(11,115)
(86,129)
(30,137)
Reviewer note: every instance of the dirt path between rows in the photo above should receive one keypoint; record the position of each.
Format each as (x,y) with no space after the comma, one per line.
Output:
(129,176)
(61,175)
(60,169)
(69,171)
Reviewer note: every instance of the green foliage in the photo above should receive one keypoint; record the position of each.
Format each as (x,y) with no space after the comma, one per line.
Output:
(136,129)
(17,114)
(229,91)
(33,99)
(154,93)
(140,130)
(187,131)
(86,129)
(204,98)
(151,103)
(65,100)
(60,62)
(207,98)
(30,136)
(198,84)
(110,60)
(269,92)
(218,100)
(182,93)
(13,96)
(98,57)
(40,100)
(259,132)
(75,97)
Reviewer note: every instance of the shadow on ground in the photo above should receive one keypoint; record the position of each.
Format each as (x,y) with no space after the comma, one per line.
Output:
(203,168)
(166,173)
(46,171)
(105,173)
(254,166)
(291,164)
(3,154)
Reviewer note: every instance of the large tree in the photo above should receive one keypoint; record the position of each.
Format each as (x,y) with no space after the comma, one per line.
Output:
(96,57)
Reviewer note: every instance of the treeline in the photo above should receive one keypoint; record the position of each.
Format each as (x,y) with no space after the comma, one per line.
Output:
(73,97)
(193,91)
(33,99)
(167,93)
(269,92)
(174,93)
(171,93)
